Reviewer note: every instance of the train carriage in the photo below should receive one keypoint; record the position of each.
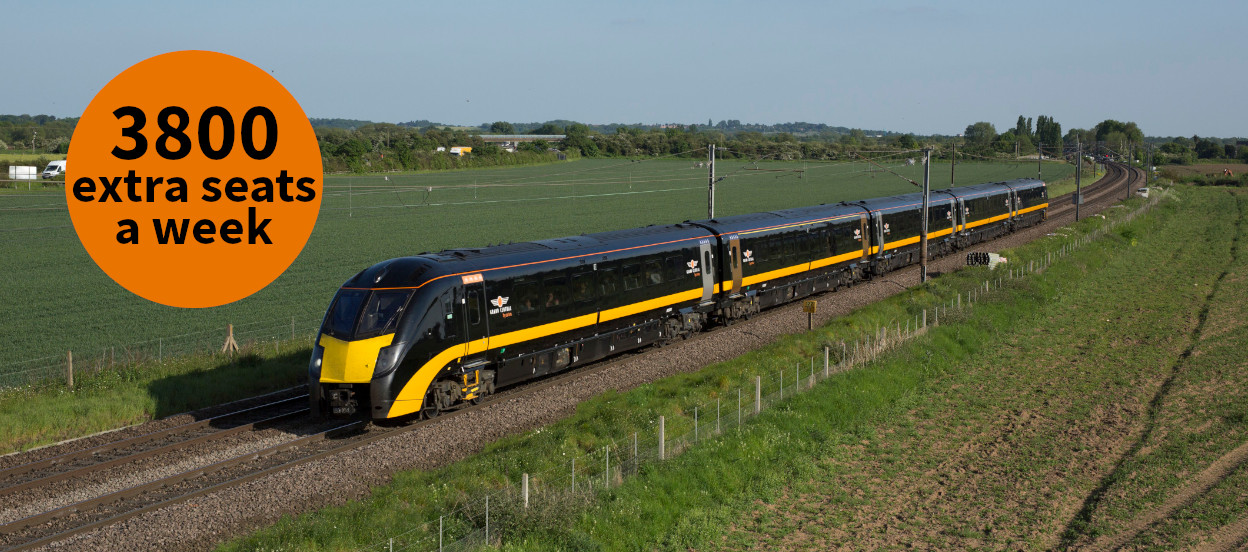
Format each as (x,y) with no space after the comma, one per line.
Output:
(771,258)
(419,334)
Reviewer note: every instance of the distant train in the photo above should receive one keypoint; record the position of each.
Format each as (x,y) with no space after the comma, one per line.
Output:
(427,333)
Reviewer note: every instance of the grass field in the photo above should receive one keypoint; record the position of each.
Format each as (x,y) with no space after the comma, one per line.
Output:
(15,158)
(56,299)
(993,431)
(1115,414)
(1213,169)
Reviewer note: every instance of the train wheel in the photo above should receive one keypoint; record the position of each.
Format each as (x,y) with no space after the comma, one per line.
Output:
(429,408)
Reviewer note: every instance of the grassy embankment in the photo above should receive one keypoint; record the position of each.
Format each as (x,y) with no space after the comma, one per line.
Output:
(66,303)
(1114,412)
(1010,423)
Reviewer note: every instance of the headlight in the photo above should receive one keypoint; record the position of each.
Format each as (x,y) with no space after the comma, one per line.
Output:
(314,365)
(388,359)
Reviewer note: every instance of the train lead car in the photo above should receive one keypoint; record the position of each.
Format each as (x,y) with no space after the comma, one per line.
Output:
(424,334)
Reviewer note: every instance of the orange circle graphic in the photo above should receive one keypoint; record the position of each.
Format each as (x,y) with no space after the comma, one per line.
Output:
(193,179)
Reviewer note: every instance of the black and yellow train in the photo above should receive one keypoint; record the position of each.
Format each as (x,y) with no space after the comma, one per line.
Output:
(424,334)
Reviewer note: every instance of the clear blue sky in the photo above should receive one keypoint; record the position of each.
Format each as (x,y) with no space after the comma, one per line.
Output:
(1175,68)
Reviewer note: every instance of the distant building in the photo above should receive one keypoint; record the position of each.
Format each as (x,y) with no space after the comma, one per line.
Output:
(510,141)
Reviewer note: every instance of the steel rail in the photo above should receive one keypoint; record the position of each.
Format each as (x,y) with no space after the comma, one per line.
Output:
(15,473)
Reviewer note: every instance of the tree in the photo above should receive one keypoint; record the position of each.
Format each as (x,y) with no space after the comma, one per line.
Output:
(1174,148)
(1208,149)
(578,136)
(502,127)
(548,128)
(980,135)
(1005,142)
(1022,127)
(1130,131)
(1048,131)
(907,141)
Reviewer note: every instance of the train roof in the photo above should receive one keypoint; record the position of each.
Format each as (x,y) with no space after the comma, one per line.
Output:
(781,217)
(406,272)
(415,271)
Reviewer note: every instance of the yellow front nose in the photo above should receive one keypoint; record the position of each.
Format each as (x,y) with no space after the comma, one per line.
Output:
(350,361)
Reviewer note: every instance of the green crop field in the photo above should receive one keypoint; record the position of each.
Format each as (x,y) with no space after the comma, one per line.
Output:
(14,158)
(55,298)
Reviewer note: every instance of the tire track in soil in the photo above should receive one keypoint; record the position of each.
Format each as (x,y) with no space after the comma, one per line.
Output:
(1221,469)
(1231,537)
(1077,526)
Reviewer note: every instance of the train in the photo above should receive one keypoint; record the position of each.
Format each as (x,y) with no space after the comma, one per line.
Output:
(420,335)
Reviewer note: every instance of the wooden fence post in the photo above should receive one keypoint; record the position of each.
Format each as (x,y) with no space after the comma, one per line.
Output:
(230,345)
(69,369)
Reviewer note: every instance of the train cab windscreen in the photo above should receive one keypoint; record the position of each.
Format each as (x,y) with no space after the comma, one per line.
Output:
(360,314)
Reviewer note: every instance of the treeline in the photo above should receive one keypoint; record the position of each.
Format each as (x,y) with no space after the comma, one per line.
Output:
(727,126)
(388,147)
(1186,151)
(42,134)
(350,145)
(383,146)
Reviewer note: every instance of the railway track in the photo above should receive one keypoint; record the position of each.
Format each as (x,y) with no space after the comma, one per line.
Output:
(305,443)
(319,441)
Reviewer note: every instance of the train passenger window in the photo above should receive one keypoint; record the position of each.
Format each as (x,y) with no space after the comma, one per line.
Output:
(525,296)
(447,314)
(474,307)
(632,276)
(674,268)
(448,305)
(556,290)
(582,286)
(608,282)
(789,247)
(653,273)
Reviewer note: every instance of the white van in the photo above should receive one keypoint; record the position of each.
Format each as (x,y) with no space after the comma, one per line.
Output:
(54,168)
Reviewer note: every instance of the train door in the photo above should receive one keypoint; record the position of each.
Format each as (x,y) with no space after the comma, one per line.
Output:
(708,270)
(959,215)
(734,263)
(877,231)
(1013,199)
(476,325)
(864,235)
(953,218)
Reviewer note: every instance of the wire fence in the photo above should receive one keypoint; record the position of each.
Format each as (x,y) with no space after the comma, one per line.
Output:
(267,335)
(533,498)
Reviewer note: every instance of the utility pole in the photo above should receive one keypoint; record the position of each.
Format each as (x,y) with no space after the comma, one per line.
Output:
(1126,183)
(1078,170)
(927,178)
(710,198)
(1149,164)
(1039,158)
(953,162)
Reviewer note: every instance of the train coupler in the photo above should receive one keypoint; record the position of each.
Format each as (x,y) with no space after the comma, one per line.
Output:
(342,401)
